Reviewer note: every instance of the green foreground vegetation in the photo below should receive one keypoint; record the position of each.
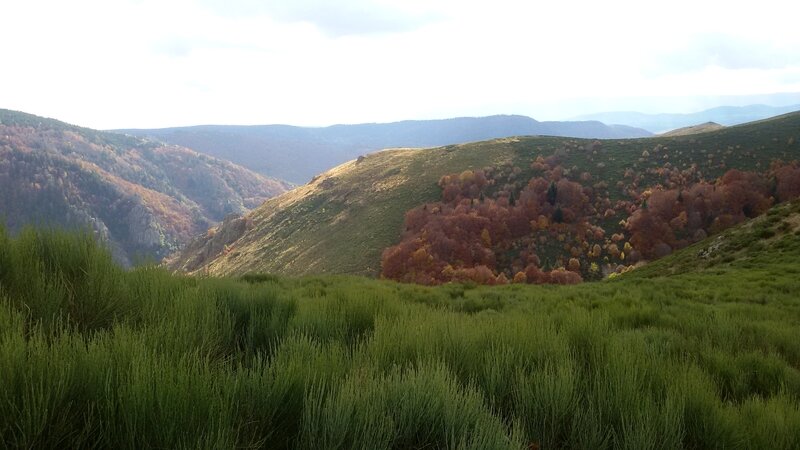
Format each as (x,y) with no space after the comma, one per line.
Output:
(708,357)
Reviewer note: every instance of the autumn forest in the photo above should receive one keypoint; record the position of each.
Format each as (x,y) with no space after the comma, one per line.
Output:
(562,227)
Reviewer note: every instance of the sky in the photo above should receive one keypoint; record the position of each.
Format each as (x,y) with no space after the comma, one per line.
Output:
(157,63)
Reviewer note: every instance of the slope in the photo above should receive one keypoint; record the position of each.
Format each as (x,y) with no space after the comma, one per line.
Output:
(694,129)
(298,153)
(145,198)
(343,219)
(761,248)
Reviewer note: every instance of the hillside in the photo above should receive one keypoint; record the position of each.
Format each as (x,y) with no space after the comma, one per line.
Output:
(694,129)
(699,350)
(660,123)
(299,153)
(146,199)
(760,248)
(343,220)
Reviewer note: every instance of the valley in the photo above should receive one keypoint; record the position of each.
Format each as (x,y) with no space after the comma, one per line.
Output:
(399,225)
(145,199)
(270,328)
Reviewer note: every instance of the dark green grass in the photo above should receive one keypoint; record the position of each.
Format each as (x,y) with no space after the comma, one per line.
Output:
(93,356)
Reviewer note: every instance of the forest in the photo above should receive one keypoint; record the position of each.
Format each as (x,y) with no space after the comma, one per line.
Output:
(144,198)
(554,229)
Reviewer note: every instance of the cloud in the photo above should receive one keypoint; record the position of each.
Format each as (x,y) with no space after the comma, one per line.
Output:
(725,51)
(139,63)
(333,18)
(174,47)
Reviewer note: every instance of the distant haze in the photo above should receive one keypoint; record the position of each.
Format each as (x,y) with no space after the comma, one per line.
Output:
(298,153)
(147,63)
(723,115)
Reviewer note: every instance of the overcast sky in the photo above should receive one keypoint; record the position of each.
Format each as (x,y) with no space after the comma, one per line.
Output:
(158,63)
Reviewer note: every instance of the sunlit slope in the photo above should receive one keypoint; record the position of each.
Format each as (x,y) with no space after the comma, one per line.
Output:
(694,129)
(342,221)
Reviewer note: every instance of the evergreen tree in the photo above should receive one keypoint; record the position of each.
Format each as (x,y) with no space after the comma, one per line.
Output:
(552,193)
(558,215)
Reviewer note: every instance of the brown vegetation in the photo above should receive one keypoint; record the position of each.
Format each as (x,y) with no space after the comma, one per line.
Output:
(548,231)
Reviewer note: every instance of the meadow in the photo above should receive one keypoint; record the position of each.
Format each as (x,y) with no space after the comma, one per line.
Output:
(94,356)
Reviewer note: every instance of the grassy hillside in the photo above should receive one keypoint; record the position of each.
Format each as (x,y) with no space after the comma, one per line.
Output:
(146,199)
(299,153)
(694,129)
(708,357)
(342,220)
(758,248)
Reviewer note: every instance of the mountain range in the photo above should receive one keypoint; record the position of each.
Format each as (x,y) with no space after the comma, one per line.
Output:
(144,199)
(296,154)
(660,123)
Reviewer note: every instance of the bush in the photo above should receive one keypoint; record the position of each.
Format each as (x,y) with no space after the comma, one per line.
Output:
(694,361)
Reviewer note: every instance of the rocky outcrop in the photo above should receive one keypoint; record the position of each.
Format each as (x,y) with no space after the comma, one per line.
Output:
(210,245)
(144,230)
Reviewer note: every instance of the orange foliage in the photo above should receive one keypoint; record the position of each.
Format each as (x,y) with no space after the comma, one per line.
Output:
(486,228)
(520,277)
(673,218)
(787,181)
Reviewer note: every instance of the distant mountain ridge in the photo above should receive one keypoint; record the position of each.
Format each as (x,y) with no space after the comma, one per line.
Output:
(144,199)
(297,154)
(660,123)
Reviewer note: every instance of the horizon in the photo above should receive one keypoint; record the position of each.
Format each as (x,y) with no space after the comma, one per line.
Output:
(145,64)
(580,118)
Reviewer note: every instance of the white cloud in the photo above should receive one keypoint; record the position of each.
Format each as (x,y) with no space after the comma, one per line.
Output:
(339,18)
(146,63)
(727,51)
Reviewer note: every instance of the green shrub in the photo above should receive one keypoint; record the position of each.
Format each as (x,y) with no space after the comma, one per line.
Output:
(95,356)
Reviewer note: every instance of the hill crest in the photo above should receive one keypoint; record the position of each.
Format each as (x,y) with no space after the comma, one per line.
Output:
(694,129)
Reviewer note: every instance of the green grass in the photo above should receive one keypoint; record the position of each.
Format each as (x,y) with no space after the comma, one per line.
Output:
(97,357)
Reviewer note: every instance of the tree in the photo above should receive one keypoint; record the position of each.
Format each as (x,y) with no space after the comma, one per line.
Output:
(486,238)
(574,265)
(552,193)
(787,182)
(558,215)
(520,277)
